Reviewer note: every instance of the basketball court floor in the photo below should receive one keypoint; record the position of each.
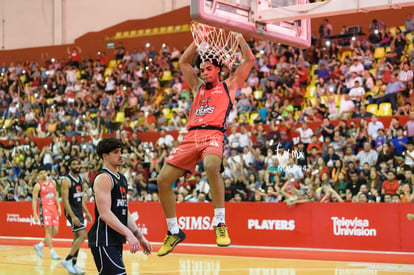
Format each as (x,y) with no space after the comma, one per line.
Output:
(19,258)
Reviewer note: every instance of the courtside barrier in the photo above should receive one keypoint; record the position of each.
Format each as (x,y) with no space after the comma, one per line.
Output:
(353,226)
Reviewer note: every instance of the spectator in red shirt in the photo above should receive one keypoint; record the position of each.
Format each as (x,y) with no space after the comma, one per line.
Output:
(390,186)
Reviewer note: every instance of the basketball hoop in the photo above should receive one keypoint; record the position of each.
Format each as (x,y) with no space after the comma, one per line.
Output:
(215,43)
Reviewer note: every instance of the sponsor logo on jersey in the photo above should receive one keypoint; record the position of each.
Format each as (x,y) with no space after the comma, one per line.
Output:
(204,108)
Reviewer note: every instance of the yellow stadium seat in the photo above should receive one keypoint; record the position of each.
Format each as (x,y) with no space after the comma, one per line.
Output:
(345,54)
(409,36)
(385,109)
(252,117)
(133,33)
(393,30)
(258,94)
(244,117)
(174,110)
(112,64)
(337,100)
(177,28)
(166,75)
(125,34)
(108,71)
(379,53)
(312,100)
(410,48)
(119,117)
(167,113)
(372,108)
(8,123)
(310,91)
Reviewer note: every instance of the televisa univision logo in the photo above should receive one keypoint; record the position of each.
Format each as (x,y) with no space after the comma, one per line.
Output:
(352,227)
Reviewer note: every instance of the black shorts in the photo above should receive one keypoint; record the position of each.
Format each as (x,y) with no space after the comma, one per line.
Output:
(82,223)
(108,260)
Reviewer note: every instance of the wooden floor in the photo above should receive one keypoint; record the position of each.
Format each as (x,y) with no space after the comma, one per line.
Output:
(22,260)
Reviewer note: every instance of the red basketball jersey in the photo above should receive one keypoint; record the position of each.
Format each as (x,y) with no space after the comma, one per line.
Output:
(47,193)
(210,107)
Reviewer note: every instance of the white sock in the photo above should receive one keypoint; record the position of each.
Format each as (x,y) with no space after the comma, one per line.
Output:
(219,215)
(173,225)
(41,244)
(52,251)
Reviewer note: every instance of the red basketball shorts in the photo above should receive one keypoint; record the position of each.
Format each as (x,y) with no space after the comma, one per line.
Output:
(195,146)
(50,216)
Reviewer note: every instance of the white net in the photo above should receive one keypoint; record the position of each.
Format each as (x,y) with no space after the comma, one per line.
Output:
(215,43)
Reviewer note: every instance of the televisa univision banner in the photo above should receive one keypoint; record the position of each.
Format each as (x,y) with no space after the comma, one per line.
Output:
(355,226)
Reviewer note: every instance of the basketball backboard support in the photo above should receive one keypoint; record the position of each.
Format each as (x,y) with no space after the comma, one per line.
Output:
(283,21)
(242,16)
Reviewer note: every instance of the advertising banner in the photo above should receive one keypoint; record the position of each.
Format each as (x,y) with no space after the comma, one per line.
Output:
(383,227)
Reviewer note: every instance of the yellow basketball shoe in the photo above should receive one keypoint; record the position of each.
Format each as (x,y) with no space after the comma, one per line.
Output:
(222,235)
(171,241)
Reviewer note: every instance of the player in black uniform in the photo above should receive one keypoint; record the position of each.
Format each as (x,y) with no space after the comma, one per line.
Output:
(113,223)
(74,207)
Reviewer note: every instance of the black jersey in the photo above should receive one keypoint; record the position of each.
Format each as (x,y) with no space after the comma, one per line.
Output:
(75,195)
(100,233)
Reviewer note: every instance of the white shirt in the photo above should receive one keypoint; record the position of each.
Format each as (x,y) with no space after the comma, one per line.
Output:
(234,140)
(305,135)
(373,128)
(245,139)
(356,92)
(408,160)
(346,105)
(404,76)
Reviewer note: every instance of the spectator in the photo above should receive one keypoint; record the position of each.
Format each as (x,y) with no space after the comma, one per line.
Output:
(390,186)
(373,127)
(367,155)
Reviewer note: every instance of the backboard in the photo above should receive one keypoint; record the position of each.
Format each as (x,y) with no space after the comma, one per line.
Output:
(244,16)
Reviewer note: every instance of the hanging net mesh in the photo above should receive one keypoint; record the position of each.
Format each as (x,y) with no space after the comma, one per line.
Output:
(215,43)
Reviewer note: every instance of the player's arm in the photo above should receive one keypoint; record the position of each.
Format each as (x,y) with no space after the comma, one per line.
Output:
(35,194)
(242,72)
(146,246)
(64,189)
(57,199)
(102,188)
(189,74)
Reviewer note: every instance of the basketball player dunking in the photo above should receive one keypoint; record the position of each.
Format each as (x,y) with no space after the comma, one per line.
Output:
(207,121)
(72,198)
(49,208)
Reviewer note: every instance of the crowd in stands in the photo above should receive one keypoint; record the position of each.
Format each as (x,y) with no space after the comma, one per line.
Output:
(76,101)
